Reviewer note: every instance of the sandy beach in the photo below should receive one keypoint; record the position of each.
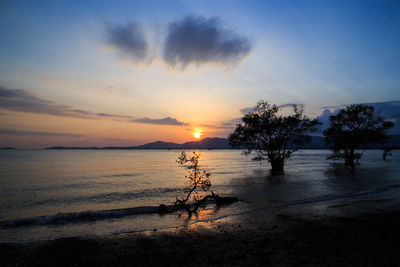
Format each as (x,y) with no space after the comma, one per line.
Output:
(357,232)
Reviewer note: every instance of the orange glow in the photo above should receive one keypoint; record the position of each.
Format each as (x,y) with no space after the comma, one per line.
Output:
(197,134)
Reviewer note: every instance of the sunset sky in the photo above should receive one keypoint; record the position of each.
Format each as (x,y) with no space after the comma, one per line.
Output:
(120,73)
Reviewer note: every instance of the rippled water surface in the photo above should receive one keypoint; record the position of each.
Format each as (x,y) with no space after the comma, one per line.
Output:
(66,187)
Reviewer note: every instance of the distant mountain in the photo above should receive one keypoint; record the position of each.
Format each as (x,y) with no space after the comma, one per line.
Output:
(317,142)
(206,143)
(159,145)
(7,148)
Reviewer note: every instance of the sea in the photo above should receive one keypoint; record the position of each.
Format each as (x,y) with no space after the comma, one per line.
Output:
(50,194)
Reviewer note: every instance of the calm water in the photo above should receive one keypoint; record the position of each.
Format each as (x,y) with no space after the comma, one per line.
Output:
(90,192)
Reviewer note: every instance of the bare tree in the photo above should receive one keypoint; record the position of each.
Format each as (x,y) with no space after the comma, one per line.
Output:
(197,180)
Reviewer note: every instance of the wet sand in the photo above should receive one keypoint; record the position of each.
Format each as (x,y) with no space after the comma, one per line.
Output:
(338,234)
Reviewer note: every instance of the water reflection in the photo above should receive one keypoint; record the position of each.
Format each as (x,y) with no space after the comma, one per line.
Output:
(103,180)
(310,175)
(364,177)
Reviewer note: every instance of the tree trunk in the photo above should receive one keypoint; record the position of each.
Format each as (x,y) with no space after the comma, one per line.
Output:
(349,158)
(277,165)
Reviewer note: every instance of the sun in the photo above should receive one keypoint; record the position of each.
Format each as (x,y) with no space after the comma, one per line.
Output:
(197,134)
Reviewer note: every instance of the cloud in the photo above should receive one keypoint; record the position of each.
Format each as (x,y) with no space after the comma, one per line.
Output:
(324,118)
(247,110)
(252,109)
(165,121)
(114,116)
(200,40)
(33,133)
(128,39)
(388,110)
(23,101)
(233,122)
(224,125)
(227,124)
(289,105)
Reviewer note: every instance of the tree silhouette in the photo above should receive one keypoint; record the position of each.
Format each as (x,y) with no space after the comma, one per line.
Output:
(387,151)
(271,136)
(197,179)
(353,128)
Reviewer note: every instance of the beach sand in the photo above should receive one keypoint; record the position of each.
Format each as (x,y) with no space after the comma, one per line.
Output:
(341,233)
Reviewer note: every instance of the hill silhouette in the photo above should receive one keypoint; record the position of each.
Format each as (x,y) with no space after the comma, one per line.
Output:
(206,143)
(317,142)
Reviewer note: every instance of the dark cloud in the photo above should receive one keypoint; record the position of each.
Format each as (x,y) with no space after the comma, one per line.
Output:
(129,39)
(8,93)
(33,133)
(82,112)
(225,125)
(289,105)
(247,110)
(165,121)
(388,110)
(200,40)
(233,122)
(229,124)
(23,101)
(114,116)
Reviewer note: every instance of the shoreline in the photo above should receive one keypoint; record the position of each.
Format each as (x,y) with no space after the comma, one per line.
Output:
(358,232)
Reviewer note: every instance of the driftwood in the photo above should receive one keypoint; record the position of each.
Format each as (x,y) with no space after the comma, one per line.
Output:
(219,201)
(198,179)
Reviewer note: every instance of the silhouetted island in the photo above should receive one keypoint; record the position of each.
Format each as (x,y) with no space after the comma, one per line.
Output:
(317,142)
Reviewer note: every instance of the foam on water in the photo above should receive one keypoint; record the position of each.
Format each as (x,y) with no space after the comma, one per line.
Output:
(76,217)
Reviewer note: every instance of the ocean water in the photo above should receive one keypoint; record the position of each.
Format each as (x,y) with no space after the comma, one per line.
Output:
(47,194)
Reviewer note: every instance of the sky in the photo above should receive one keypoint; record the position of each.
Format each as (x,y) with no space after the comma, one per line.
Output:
(121,73)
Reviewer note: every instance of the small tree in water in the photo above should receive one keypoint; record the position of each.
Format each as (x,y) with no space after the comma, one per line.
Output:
(353,128)
(197,179)
(273,137)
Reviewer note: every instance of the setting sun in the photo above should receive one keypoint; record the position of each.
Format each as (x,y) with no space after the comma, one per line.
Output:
(197,134)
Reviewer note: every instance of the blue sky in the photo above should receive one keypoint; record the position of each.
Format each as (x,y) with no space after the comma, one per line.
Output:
(318,53)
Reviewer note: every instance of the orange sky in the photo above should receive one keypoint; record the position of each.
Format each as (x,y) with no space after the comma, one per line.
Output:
(125,73)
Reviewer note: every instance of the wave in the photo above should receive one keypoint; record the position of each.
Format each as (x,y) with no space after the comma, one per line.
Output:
(76,217)
(94,181)
(120,175)
(336,196)
(277,205)
(84,216)
(108,197)
(105,197)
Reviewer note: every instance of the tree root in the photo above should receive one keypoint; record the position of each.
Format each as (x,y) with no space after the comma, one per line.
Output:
(192,208)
